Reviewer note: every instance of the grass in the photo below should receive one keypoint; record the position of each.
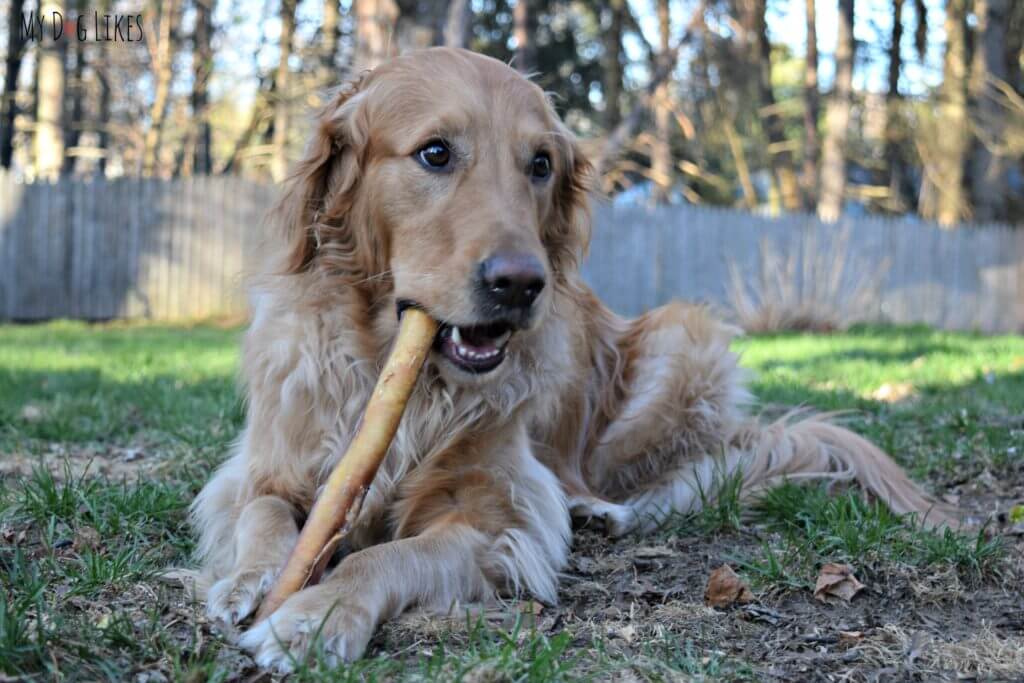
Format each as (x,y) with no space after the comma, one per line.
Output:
(107,432)
(811,523)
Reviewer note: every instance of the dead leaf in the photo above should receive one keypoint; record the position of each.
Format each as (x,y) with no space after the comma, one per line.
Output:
(851,637)
(837,581)
(11,536)
(726,588)
(86,538)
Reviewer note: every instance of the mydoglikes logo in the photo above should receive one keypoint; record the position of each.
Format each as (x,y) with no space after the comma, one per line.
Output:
(97,27)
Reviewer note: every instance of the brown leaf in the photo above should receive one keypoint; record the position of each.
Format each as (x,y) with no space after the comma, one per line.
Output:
(837,581)
(851,637)
(86,538)
(11,536)
(726,588)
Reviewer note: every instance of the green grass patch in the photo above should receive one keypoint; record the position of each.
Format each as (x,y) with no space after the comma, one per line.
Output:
(813,526)
(962,394)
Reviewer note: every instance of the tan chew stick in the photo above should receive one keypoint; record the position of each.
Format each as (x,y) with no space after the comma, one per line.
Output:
(338,503)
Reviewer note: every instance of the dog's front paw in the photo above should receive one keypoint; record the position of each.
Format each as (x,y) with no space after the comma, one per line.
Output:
(314,620)
(234,598)
(615,520)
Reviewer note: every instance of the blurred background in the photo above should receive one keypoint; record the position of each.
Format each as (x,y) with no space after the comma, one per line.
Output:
(825,159)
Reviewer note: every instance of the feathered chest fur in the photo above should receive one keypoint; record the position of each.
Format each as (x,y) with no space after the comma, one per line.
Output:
(308,378)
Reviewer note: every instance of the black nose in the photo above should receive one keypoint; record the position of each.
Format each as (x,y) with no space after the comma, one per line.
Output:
(512,280)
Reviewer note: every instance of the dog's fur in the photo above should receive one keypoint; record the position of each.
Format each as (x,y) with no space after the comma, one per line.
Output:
(589,413)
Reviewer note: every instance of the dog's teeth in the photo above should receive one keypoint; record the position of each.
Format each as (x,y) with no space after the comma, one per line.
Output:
(503,339)
(456,335)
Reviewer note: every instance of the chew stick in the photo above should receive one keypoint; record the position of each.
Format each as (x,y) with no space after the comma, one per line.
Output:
(337,507)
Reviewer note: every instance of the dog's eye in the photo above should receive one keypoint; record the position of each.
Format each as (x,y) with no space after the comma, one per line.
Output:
(435,155)
(540,167)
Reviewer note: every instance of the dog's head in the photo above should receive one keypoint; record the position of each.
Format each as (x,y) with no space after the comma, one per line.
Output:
(447,178)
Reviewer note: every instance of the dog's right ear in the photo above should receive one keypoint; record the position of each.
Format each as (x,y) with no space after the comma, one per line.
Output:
(320,191)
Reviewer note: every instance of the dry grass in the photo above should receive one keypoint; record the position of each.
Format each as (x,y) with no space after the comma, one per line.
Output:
(817,288)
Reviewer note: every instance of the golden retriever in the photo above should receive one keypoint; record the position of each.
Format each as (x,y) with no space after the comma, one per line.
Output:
(445,180)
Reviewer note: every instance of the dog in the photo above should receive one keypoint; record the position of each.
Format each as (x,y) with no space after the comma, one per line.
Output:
(445,180)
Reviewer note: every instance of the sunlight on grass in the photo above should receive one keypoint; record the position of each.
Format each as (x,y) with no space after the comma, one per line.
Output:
(75,383)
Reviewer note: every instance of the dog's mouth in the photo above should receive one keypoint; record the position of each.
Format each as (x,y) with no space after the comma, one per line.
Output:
(472,348)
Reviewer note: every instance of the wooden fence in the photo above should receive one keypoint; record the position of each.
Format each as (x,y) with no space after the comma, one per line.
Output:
(127,248)
(971,278)
(141,248)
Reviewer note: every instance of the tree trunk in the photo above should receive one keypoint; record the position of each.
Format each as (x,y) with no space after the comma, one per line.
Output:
(99,67)
(202,67)
(612,65)
(12,68)
(921,30)
(103,122)
(893,108)
(49,131)
(953,139)
(988,168)
(329,32)
(162,74)
(524,58)
(282,101)
(76,87)
(812,107)
(779,153)
(833,160)
(458,25)
(661,153)
(375,28)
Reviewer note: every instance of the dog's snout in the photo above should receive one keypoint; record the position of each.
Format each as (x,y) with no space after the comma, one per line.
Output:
(512,279)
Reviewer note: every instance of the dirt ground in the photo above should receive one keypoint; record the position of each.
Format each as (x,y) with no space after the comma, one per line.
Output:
(904,625)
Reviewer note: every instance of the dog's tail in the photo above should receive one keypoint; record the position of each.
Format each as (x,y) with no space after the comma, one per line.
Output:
(797,447)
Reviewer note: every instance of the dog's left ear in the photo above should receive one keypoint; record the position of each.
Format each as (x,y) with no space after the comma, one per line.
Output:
(568,236)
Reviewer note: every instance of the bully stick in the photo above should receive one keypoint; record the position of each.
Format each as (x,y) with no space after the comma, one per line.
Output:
(337,506)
